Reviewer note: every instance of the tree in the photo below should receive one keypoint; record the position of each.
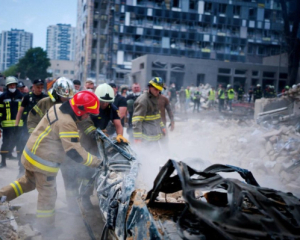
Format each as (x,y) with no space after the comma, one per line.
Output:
(34,64)
(291,17)
(11,71)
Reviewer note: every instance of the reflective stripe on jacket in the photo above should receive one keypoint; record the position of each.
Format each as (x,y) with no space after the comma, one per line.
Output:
(187,93)
(38,112)
(10,104)
(146,119)
(55,136)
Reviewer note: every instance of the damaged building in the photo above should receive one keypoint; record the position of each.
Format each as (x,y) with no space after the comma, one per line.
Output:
(113,33)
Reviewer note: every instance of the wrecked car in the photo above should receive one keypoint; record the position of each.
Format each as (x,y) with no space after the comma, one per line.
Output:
(185,203)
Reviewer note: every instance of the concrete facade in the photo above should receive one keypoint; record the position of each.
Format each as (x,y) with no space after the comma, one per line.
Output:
(61,42)
(187,72)
(62,68)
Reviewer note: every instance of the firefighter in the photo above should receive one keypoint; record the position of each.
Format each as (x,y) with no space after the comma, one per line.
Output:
(63,89)
(21,87)
(28,102)
(10,102)
(257,93)
(196,99)
(147,122)
(55,136)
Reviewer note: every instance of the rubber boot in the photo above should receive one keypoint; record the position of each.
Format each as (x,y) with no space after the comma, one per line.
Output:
(3,161)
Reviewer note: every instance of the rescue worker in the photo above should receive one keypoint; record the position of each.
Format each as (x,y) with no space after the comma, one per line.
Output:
(54,137)
(240,93)
(230,96)
(286,88)
(196,98)
(28,102)
(272,93)
(124,90)
(21,87)
(250,92)
(10,102)
(107,112)
(63,89)
(147,122)
(211,97)
(119,102)
(257,93)
(187,98)
(130,99)
(221,97)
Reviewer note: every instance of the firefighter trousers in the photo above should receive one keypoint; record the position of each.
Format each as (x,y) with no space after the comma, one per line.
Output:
(10,140)
(46,187)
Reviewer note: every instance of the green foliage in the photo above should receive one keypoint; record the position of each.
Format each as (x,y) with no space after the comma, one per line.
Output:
(34,64)
(11,71)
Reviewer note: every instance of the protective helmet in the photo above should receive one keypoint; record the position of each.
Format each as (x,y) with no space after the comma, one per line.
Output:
(105,93)
(228,86)
(85,102)
(11,80)
(294,86)
(64,87)
(157,82)
(287,87)
(20,84)
(258,85)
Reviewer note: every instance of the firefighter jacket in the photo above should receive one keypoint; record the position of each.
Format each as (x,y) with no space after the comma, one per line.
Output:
(29,101)
(146,121)
(55,136)
(9,107)
(38,112)
(230,94)
(257,93)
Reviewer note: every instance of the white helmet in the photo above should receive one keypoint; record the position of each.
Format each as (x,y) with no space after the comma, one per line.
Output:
(11,80)
(258,85)
(228,86)
(64,87)
(105,93)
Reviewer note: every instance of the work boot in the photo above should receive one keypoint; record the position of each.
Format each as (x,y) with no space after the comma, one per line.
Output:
(3,162)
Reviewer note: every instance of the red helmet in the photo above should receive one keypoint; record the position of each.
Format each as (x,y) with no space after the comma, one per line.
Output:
(85,102)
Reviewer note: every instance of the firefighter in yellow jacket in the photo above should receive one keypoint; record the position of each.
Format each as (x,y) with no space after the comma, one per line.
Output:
(55,136)
(146,120)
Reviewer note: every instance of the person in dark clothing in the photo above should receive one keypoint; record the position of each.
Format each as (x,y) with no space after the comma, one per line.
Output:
(250,92)
(120,103)
(221,97)
(28,102)
(240,93)
(130,99)
(10,102)
(196,98)
(257,92)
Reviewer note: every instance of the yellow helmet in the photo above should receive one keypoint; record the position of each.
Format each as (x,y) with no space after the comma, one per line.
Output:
(157,82)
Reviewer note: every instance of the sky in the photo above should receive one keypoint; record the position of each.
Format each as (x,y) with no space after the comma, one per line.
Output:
(35,16)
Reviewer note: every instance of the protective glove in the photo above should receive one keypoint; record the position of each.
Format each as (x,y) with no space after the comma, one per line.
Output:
(138,141)
(120,138)
(164,131)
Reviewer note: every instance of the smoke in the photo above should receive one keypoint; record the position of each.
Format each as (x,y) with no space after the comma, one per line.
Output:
(205,139)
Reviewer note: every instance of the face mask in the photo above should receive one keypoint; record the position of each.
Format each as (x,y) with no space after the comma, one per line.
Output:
(91,90)
(12,90)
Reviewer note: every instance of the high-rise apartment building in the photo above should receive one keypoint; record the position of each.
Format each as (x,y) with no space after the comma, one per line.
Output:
(61,42)
(118,31)
(13,46)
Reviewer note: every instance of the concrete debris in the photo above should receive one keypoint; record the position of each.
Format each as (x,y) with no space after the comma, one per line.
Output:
(26,232)
(8,225)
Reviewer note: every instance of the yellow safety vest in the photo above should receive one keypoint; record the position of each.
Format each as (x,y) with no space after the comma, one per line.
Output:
(230,94)
(187,93)
(212,94)
(221,96)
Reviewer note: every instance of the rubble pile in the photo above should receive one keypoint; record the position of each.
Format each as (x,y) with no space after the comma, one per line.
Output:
(266,152)
(8,225)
